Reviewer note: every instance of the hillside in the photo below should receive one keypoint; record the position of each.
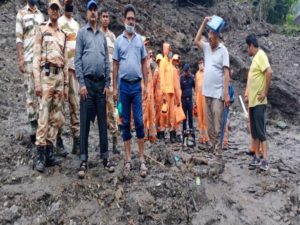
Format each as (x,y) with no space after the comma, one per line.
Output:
(229,193)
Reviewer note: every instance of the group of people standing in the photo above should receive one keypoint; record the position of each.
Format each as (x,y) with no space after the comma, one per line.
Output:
(95,72)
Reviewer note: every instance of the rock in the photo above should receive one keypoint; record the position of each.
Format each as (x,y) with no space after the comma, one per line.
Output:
(282,125)
(55,207)
(119,195)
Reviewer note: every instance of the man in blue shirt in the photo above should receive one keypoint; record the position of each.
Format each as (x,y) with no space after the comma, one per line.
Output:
(93,73)
(129,68)
(187,84)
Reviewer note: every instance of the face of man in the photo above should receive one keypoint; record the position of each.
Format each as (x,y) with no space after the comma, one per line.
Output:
(212,39)
(151,54)
(175,62)
(104,19)
(201,65)
(54,12)
(166,49)
(250,49)
(130,19)
(92,14)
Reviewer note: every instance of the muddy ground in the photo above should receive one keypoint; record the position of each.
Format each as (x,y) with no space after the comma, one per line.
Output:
(229,193)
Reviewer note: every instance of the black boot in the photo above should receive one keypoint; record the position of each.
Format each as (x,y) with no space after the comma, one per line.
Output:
(33,138)
(76,146)
(172,136)
(51,160)
(60,148)
(115,143)
(178,138)
(158,135)
(40,161)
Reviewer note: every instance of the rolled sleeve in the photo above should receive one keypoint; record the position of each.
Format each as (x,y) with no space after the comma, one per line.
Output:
(143,52)
(107,65)
(226,58)
(116,55)
(19,29)
(78,59)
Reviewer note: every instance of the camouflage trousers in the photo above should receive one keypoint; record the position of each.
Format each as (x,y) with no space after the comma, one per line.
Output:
(111,116)
(73,104)
(51,116)
(32,102)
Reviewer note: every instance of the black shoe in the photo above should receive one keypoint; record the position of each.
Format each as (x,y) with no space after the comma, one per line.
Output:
(51,160)
(172,136)
(108,166)
(40,161)
(60,148)
(115,143)
(178,138)
(33,138)
(158,135)
(76,146)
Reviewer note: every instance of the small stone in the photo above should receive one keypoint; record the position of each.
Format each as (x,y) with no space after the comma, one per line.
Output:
(55,207)
(39,177)
(282,125)
(5,204)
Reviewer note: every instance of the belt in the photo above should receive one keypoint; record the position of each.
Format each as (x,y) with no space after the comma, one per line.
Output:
(131,81)
(95,78)
(186,98)
(54,69)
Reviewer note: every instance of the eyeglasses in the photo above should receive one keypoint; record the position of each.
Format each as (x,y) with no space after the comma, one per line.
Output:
(130,18)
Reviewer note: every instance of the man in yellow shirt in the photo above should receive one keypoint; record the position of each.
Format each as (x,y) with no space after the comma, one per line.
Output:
(260,75)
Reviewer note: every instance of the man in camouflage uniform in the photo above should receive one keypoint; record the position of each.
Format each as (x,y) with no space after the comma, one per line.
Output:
(111,116)
(28,19)
(70,27)
(50,70)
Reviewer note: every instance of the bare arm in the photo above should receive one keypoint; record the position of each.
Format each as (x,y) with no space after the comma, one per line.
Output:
(115,74)
(145,71)
(198,39)
(268,74)
(226,86)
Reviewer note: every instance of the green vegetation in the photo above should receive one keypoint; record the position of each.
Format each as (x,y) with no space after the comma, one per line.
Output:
(279,12)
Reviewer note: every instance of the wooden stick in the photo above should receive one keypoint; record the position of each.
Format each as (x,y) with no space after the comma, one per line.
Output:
(155,161)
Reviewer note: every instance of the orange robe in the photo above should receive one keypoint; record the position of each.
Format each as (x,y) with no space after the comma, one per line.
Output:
(148,107)
(167,84)
(200,106)
(158,98)
(178,92)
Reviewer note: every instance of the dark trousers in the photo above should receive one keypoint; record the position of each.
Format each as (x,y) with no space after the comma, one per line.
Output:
(187,106)
(258,122)
(95,102)
(131,99)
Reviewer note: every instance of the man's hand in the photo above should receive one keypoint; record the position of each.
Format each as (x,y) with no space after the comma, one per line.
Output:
(246,99)
(115,93)
(38,91)
(145,93)
(206,19)
(22,65)
(83,92)
(107,93)
(66,94)
(261,96)
(226,100)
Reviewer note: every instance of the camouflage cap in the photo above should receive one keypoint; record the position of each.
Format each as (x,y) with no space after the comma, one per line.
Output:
(56,2)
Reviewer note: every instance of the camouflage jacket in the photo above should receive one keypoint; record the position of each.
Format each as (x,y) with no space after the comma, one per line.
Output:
(26,23)
(50,46)
(71,28)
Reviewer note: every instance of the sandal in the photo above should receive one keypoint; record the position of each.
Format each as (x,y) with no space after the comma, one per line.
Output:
(143,169)
(82,170)
(128,165)
(108,166)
